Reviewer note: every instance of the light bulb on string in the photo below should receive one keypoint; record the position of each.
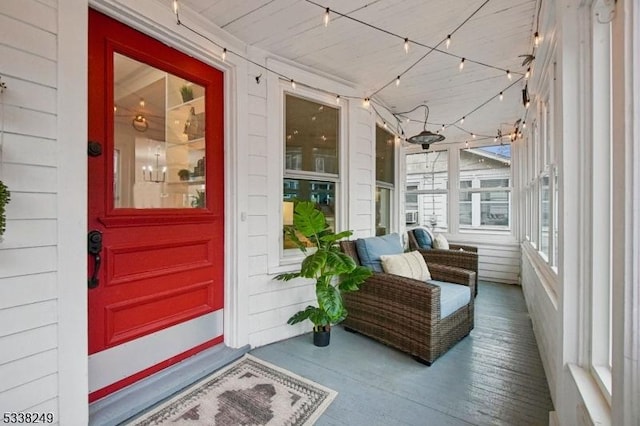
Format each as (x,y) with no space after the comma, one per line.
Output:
(536,39)
(448,43)
(466,144)
(142,103)
(365,102)
(338,99)
(473,135)
(461,66)
(224,54)
(495,139)
(406,45)
(293,84)
(509,75)
(384,124)
(462,120)
(443,127)
(326,18)
(501,96)
(524,124)
(398,81)
(175,7)
(528,73)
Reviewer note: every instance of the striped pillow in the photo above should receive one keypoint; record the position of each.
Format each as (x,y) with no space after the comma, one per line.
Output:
(410,265)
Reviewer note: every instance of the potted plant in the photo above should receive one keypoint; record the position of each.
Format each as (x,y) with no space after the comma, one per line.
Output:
(198,200)
(187,93)
(5,197)
(184,174)
(334,272)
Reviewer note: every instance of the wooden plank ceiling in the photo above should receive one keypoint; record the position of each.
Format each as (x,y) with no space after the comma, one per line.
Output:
(490,40)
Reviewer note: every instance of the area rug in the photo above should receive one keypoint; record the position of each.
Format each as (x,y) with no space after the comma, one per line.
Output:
(248,392)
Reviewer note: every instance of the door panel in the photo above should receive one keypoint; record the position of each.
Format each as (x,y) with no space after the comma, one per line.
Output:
(157,203)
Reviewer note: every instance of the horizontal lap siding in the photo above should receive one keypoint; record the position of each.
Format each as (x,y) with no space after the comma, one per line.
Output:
(28,254)
(499,263)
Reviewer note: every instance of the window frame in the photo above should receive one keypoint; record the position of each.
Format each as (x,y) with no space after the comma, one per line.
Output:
(386,185)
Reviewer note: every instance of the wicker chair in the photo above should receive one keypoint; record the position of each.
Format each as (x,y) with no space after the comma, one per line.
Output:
(405,313)
(465,259)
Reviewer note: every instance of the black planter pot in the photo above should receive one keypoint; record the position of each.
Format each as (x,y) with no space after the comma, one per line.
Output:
(321,338)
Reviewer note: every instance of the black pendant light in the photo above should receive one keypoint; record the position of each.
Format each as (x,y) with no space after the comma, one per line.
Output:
(426,137)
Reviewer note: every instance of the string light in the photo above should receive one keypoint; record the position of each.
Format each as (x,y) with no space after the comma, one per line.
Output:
(509,75)
(466,144)
(384,124)
(326,18)
(406,45)
(473,135)
(398,81)
(536,39)
(367,100)
(524,124)
(175,7)
(224,54)
(448,43)
(142,103)
(528,73)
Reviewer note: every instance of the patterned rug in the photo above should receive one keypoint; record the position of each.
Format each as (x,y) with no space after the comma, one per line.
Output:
(248,392)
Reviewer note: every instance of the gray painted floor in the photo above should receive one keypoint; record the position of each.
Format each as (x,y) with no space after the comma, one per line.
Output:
(492,377)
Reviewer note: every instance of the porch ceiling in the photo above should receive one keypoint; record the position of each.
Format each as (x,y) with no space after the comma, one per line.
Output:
(496,35)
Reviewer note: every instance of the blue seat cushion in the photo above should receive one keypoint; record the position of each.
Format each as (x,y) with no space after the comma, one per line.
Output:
(452,297)
(370,249)
(423,238)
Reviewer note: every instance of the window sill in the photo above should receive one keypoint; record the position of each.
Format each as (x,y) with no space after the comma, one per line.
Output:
(594,408)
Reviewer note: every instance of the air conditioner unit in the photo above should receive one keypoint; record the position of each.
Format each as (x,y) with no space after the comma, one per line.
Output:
(411,217)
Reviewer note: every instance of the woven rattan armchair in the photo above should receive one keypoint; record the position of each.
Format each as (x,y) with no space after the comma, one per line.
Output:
(458,255)
(405,313)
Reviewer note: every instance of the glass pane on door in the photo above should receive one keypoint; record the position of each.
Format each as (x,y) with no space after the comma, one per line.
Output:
(159,138)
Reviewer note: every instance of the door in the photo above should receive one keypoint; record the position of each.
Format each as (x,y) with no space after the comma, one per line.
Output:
(155,205)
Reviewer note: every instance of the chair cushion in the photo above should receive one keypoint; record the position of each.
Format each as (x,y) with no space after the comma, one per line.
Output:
(410,265)
(423,237)
(452,297)
(440,242)
(370,249)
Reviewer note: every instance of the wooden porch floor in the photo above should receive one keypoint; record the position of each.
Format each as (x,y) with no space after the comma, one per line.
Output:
(492,377)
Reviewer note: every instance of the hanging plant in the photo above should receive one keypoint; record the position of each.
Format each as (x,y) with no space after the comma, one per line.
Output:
(5,197)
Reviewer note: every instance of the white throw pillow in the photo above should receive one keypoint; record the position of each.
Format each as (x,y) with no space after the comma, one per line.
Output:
(440,242)
(410,265)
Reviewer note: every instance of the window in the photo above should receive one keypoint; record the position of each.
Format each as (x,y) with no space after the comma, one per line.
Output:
(385,179)
(544,215)
(312,133)
(485,188)
(427,183)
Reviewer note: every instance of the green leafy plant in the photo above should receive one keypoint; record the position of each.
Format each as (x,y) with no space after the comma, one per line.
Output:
(199,199)
(187,93)
(334,271)
(5,197)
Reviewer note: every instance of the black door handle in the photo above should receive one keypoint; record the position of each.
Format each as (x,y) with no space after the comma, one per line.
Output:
(94,247)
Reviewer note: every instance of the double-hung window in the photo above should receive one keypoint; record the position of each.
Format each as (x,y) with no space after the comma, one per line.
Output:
(485,188)
(311,158)
(385,179)
(426,190)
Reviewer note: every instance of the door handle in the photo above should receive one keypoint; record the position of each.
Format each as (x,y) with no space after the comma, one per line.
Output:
(94,247)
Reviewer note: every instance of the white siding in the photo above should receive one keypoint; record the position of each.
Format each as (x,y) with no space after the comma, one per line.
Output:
(28,254)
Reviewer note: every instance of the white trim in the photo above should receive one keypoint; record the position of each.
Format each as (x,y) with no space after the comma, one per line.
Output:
(71,216)
(122,361)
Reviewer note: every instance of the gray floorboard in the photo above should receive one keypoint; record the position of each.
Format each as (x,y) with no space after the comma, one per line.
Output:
(492,377)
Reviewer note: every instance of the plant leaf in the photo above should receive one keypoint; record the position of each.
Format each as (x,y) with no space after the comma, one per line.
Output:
(302,315)
(312,265)
(307,219)
(329,300)
(288,276)
(330,238)
(352,280)
(339,263)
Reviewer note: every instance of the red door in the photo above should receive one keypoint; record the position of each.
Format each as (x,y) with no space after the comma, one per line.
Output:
(156,205)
